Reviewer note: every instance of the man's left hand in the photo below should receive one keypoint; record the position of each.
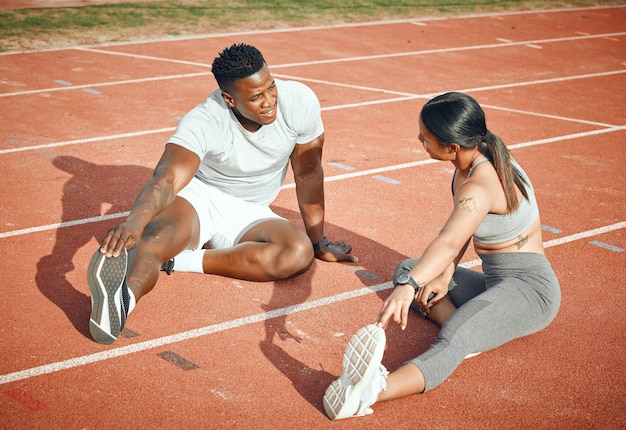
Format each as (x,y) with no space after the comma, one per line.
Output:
(336,252)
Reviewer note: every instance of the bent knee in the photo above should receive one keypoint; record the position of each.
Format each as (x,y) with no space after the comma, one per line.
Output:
(163,238)
(295,258)
(157,231)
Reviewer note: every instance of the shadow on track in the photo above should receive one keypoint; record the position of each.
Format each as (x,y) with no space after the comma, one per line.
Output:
(90,188)
(375,266)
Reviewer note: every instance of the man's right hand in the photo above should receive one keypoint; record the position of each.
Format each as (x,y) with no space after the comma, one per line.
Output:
(125,235)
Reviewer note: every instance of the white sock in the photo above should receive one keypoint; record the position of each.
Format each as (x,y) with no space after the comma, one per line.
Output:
(189,260)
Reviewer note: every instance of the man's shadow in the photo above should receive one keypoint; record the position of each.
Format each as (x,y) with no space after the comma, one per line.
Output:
(311,382)
(93,186)
(92,189)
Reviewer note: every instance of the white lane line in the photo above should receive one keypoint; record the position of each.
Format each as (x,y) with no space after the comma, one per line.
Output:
(230,35)
(351,175)
(88,140)
(584,234)
(64,224)
(404,97)
(449,50)
(187,335)
(528,43)
(106,84)
(252,319)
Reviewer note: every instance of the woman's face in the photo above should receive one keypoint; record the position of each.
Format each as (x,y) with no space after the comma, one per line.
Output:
(431,143)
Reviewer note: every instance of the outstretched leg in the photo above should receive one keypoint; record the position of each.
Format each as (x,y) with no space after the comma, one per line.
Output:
(114,289)
(170,232)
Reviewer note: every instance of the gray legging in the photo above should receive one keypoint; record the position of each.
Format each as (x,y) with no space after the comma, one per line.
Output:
(516,295)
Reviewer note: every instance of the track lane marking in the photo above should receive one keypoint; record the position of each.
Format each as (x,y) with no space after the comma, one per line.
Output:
(404,97)
(251,319)
(330,27)
(369,172)
(526,43)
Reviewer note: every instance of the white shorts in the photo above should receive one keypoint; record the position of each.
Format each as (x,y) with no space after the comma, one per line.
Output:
(223,219)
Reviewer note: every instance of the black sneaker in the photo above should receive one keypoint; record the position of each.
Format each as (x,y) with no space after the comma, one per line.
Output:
(106,278)
(168,266)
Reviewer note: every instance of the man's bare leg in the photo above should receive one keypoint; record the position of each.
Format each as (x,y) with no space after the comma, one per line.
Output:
(115,286)
(269,251)
(169,233)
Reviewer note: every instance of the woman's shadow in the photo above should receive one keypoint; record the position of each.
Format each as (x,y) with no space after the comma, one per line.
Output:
(95,190)
(308,381)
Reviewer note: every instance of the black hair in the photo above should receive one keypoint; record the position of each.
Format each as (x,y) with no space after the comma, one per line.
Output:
(458,118)
(236,62)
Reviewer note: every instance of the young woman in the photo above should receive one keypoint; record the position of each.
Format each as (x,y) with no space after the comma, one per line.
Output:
(516,295)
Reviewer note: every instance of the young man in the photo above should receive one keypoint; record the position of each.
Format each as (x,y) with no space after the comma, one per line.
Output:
(206,208)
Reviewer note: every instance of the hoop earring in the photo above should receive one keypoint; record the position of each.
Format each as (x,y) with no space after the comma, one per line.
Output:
(454,159)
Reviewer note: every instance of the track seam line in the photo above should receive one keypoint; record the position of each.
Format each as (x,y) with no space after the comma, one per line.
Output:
(251,319)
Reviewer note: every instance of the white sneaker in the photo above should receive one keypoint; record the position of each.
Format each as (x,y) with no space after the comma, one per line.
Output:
(363,377)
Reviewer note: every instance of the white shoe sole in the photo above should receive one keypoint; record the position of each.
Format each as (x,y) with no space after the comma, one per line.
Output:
(471,355)
(361,361)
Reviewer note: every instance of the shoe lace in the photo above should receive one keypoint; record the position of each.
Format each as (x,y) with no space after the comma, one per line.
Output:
(370,394)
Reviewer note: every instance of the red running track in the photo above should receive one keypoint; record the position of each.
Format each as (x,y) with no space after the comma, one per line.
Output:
(82,128)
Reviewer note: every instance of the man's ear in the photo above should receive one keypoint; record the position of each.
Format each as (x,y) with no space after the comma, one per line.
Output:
(230,100)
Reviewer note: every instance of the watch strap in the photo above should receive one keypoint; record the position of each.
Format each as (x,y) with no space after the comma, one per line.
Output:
(412,283)
(321,244)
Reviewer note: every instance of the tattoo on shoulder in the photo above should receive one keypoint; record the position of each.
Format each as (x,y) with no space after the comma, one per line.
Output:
(467,204)
(523,240)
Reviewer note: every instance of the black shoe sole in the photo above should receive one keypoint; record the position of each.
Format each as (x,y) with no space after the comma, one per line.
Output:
(105,277)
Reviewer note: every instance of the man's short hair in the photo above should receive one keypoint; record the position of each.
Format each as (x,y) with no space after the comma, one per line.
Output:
(236,62)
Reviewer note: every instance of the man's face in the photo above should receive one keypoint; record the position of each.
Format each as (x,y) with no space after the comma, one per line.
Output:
(254,99)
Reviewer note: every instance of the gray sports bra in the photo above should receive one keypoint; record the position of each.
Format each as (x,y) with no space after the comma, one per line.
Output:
(496,228)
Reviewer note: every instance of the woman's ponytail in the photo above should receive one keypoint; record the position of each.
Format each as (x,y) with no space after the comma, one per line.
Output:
(494,149)
(458,118)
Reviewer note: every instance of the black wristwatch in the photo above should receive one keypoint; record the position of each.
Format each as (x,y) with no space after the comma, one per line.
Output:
(405,278)
(321,244)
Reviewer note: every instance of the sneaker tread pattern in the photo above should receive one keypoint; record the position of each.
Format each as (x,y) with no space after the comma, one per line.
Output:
(105,278)
(342,398)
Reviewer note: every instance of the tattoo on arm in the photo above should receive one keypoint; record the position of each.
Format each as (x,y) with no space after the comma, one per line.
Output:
(467,204)
(523,240)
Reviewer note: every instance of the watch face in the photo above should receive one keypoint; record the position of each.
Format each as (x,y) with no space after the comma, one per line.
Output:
(404,279)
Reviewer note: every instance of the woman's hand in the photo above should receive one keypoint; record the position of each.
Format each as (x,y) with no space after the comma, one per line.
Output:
(437,286)
(397,306)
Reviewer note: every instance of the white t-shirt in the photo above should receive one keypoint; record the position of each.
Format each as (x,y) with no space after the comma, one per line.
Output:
(244,164)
